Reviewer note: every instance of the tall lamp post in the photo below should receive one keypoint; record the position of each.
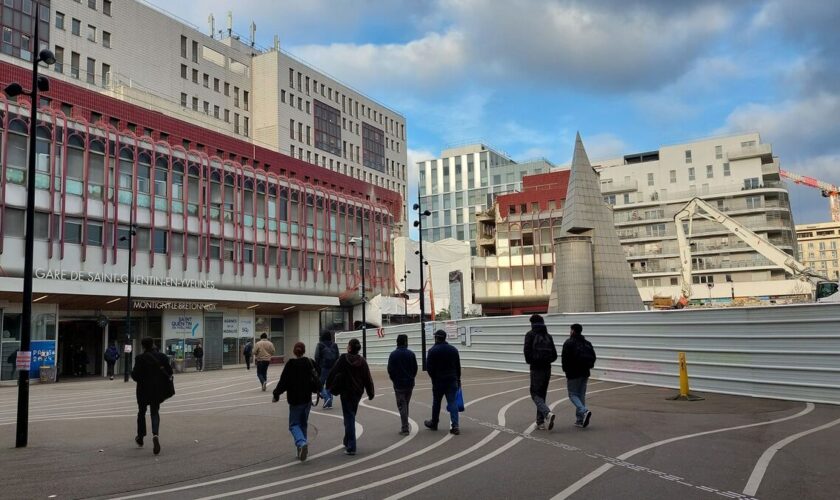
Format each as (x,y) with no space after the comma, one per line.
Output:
(405,291)
(13,90)
(419,225)
(130,238)
(360,240)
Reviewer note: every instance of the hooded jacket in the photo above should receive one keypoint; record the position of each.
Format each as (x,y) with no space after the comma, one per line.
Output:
(112,354)
(326,353)
(528,348)
(354,375)
(151,372)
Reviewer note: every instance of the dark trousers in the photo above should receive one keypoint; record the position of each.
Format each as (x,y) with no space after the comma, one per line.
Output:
(141,418)
(199,363)
(539,389)
(248,362)
(403,398)
(262,371)
(111,368)
(439,390)
(349,407)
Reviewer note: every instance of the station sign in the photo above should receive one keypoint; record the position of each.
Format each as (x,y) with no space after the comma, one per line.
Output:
(174,305)
(91,277)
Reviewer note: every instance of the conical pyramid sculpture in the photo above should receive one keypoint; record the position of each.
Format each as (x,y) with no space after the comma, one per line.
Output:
(591,270)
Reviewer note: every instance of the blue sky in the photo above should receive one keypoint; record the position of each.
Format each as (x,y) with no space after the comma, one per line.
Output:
(525,75)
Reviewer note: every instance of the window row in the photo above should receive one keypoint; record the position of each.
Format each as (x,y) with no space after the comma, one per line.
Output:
(311,86)
(90,73)
(76,29)
(241,127)
(218,86)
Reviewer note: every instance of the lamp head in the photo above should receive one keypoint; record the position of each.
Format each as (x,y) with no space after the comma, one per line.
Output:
(407,271)
(43,84)
(13,90)
(416,206)
(426,213)
(416,223)
(417,252)
(47,57)
(355,240)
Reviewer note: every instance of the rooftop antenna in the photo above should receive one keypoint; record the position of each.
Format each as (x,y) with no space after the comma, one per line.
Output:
(211,20)
(277,43)
(230,23)
(253,33)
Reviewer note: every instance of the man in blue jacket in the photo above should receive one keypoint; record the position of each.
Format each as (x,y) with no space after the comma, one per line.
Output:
(444,366)
(402,368)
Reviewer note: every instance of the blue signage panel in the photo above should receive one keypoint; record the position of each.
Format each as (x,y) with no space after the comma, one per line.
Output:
(43,354)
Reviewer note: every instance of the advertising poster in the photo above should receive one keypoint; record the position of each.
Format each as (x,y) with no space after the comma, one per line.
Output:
(246,324)
(43,354)
(182,324)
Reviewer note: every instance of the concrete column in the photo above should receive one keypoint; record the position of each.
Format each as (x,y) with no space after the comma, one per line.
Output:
(573,288)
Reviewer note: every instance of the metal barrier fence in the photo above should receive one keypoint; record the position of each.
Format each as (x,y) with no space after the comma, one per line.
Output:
(786,352)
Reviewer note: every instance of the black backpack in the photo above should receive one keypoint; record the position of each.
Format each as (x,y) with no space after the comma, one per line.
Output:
(329,354)
(585,353)
(543,349)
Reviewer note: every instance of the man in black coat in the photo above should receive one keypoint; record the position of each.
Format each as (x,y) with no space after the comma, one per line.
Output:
(402,369)
(444,366)
(152,374)
(198,354)
(540,352)
(577,357)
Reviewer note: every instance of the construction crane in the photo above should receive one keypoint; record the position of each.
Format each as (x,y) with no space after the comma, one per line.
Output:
(824,290)
(829,191)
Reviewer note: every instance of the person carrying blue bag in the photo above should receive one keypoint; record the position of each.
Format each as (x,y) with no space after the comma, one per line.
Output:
(444,366)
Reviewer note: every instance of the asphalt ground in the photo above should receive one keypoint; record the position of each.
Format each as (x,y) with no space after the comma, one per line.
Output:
(223,438)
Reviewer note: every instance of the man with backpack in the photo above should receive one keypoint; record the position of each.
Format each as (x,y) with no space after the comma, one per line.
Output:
(578,358)
(326,354)
(540,352)
(112,354)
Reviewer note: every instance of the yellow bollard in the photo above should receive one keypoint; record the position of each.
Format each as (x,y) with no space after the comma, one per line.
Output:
(684,394)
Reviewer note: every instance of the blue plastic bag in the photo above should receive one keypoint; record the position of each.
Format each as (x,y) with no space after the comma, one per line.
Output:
(459,400)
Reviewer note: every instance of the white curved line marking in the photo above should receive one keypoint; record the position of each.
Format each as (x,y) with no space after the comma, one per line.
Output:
(359,432)
(498,451)
(580,483)
(764,460)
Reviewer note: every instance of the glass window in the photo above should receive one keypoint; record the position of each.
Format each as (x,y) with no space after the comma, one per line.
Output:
(710,172)
(688,156)
(76,27)
(691,173)
(650,179)
(72,231)
(673,174)
(59,20)
(726,170)
(160,240)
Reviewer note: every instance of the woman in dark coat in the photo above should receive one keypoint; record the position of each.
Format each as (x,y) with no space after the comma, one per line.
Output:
(152,374)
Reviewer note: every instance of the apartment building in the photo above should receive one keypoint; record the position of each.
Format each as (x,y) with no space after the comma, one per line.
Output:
(231,239)
(737,174)
(136,52)
(465,181)
(818,246)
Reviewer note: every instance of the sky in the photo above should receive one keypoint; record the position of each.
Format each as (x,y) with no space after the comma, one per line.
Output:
(525,75)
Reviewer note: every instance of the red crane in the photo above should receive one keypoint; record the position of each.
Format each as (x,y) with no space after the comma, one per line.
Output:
(829,191)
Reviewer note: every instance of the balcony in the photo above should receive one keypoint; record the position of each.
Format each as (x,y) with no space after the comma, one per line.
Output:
(770,171)
(762,151)
(619,187)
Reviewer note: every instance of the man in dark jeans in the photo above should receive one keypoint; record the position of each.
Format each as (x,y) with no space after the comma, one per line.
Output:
(540,352)
(578,357)
(198,354)
(151,372)
(444,366)
(402,369)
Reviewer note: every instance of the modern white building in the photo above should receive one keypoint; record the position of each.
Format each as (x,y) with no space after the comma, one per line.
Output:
(739,175)
(463,182)
(216,79)
(818,247)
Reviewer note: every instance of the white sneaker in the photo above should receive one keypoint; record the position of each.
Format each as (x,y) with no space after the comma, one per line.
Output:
(540,427)
(550,419)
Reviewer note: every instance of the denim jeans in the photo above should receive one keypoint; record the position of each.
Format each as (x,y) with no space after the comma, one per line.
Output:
(199,363)
(448,389)
(298,421)
(577,395)
(349,407)
(403,398)
(111,368)
(262,371)
(539,390)
(325,394)
(141,418)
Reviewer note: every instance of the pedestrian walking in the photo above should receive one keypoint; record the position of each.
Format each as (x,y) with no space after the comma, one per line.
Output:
(402,369)
(154,385)
(263,352)
(444,366)
(540,352)
(326,355)
(578,357)
(350,379)
(81,360)
(112,354)
(198,354)
(248,352)
(299,381)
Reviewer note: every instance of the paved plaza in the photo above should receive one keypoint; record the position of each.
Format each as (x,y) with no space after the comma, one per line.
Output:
(222,437)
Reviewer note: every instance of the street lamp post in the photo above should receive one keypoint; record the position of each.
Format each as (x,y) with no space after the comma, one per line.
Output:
(405,291)
(130,238)
(13,90)
(419,225)
(360,240)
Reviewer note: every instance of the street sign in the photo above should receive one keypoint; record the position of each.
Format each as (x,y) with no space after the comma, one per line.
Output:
(23,360)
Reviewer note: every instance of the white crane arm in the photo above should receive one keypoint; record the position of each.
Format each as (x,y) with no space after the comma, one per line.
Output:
(775,255)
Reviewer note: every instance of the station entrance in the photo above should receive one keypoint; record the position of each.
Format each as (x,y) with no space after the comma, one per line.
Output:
(80,348)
